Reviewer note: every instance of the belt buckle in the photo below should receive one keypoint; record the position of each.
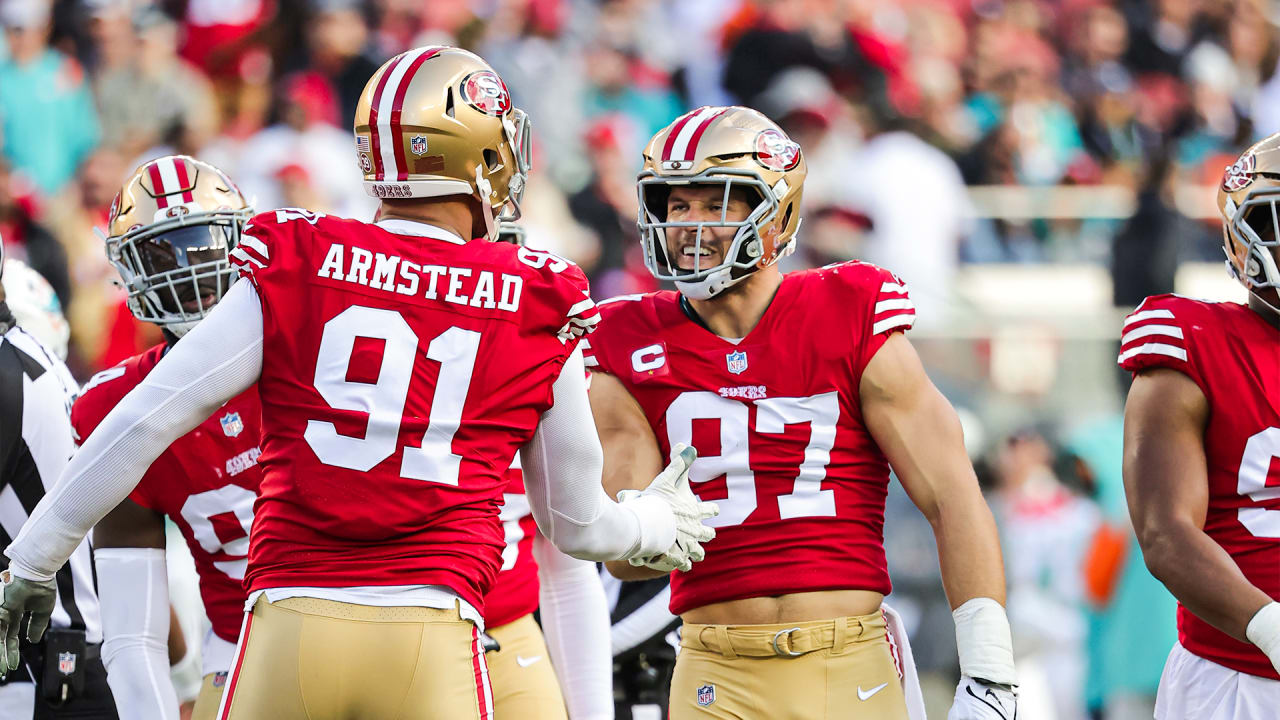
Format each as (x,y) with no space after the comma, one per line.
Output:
(777,650)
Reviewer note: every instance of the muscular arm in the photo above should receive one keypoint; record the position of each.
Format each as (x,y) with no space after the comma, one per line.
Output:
(1166,483)
(562,481)
(919,433)
(213,363)
(631,454)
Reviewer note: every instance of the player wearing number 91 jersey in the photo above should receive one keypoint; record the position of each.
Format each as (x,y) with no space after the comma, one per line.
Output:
(400,367)
(798,391)
(1202,461)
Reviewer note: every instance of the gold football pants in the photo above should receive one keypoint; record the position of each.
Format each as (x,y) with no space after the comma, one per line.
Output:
(206,707)
(842,668)
(312,659)
(524,683)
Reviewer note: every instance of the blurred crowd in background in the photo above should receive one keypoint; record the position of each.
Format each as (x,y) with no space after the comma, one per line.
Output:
(905,110)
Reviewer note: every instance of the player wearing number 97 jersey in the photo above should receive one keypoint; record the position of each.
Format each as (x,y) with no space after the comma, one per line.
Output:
(400,367)
(169,233)
(1202,461)
(799,392)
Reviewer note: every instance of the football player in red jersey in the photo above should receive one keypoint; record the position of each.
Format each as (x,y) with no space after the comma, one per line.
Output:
(1202,461)
(169,232)
(400,366)
(799,393)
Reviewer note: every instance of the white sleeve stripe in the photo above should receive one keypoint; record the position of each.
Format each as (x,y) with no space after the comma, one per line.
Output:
(256,245)
(905,320)
(632,297)
(896,304)
(1155,349)
(1172,331)
(249,250)
(893,288)
(585,322)
(1149,315)
(590,360)
(244,257)
(581,307)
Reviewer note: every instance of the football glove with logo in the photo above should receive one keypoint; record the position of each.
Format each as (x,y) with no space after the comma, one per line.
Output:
(981,700)
(987,675)
(22,597)
(672,486)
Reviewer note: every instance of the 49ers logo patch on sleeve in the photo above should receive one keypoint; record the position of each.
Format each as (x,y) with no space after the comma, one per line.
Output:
(776,151)
(485,91)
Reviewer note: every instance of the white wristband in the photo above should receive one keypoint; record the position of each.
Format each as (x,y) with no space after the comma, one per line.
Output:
(983,641)
(1264,630)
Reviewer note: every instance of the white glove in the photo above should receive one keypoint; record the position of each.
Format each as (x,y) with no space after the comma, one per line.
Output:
(980,700)
(1264,631)
(672,486)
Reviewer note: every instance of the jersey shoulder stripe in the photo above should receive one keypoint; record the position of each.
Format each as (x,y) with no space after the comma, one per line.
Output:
(1156,335)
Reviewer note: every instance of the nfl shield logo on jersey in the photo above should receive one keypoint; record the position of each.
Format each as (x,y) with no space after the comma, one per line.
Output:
(418,145)
(706,695)
(231,424)
(737,362)
(66,663)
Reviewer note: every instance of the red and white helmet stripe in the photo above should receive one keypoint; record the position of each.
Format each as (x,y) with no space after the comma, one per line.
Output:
(682,143)
(169,176)
(385,109)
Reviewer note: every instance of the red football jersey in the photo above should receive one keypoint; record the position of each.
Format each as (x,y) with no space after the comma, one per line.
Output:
(778,427)
(1234,356)
(402,368)
(515,592)
(206,482)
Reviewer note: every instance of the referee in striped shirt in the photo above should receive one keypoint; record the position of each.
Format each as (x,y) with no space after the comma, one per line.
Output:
(61,676)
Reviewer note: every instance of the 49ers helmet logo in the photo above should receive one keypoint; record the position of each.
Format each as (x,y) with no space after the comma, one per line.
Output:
(1239,174)
(485,91)
(776,151)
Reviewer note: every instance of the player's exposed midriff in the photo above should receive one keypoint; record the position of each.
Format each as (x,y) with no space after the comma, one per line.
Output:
(792,607)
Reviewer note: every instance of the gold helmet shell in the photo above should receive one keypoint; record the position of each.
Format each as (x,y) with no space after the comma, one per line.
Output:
(438,121)
(737,147)
(1249,200)
(169,231)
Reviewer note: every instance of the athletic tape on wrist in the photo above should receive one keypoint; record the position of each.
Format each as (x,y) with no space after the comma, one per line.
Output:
(1264,630)
(984,642)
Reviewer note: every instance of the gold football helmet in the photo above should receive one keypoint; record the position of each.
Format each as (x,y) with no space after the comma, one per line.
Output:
(438,121)
(1249,199)
(168,234)
(736,147)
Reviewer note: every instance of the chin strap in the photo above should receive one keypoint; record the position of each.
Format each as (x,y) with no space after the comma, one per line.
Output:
(483,190)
